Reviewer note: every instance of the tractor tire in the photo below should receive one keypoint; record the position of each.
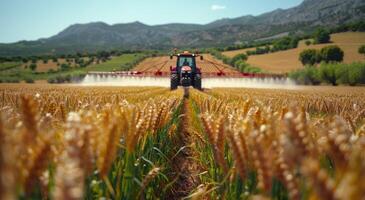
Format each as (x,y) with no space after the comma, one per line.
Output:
(198,82)
(174,81)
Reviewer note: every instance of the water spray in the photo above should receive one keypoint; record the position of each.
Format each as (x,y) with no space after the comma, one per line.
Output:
(208,82)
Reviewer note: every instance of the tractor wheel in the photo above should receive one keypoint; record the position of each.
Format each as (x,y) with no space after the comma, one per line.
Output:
(198,82)
(174,81)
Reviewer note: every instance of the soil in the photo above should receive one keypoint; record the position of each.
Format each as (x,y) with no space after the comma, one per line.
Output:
(185,166)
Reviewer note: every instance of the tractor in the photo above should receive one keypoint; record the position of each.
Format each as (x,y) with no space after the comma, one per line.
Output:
(186,73)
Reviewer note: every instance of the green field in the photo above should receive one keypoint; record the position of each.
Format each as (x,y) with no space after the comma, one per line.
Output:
(116,63)
(8,65)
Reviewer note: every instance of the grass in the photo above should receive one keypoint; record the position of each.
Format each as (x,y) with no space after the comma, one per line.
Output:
(286,61)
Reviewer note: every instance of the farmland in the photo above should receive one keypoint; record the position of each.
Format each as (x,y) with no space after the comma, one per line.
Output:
(208,65)
(18,71)
(43,66)
(73,142)
(286,61)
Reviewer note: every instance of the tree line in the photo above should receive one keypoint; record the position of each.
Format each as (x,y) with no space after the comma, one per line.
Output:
(324,66)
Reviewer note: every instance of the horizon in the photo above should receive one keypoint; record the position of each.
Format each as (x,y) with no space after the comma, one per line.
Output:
(19,26)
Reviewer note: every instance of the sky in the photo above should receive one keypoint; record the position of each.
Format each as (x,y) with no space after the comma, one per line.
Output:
(34,19)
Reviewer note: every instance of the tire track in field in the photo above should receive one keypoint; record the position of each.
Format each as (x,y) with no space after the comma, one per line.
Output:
(184,165)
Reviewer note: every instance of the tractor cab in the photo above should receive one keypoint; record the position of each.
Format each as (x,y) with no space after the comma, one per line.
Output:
(186,60)
(186,73)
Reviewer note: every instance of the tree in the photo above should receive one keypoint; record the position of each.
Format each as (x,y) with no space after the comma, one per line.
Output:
(321,36)
(242,66)
(357,26)
(294,42)
(362,50)
(33,66)
(65,67)
(283,43)
(242,57)
(332,53)
(237,60)
(309,57)
(24,60)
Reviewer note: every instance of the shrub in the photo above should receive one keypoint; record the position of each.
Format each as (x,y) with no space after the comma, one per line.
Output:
(351,74)
(9,80)
(65,67)
(260,50)
(29,80)
(362,50)
(308,42)
(327,73)
(309,57)
(242,67)
(285,43)
(307,76)
(357,73)
(57,79)
(250,69)
(332,53)
(357,26)
(24,60)
(67,78)
(226,60)
(321,36)
(60,79)
(238,62)
(33,66)
(238,57)
(51,80)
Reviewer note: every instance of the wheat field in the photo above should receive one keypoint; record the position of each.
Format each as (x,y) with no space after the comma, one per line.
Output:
(73,142)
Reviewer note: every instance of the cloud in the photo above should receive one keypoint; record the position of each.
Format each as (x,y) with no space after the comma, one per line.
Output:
(217,7)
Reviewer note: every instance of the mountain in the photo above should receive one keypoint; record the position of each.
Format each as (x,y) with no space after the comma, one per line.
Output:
(101,36)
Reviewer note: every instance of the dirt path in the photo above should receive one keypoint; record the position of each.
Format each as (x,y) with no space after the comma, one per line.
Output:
(184,165)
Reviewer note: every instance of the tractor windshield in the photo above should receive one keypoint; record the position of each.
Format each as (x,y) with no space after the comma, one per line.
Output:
(186,61)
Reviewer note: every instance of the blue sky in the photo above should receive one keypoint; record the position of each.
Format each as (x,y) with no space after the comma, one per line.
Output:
(34,19)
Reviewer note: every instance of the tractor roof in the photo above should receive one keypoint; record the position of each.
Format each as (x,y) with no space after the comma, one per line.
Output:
(187,53)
